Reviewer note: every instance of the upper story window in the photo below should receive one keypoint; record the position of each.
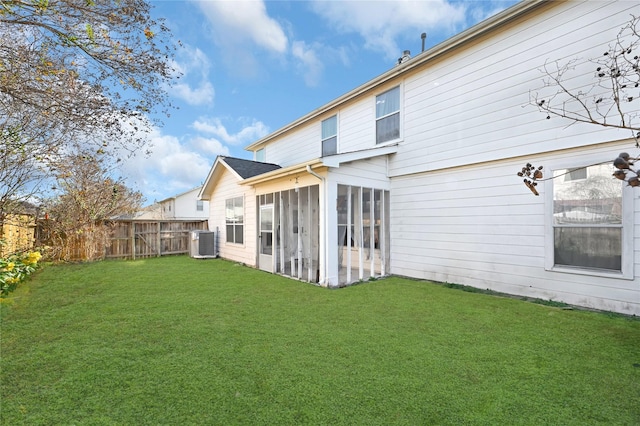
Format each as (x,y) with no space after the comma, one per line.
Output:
(260,155)
(388,115)
(199,205)
(590,223)
(330,136)
(234,218)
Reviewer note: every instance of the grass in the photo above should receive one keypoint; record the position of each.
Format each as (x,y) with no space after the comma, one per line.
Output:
(178,341)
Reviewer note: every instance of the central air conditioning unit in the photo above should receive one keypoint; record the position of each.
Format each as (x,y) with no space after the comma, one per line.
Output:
(203,245)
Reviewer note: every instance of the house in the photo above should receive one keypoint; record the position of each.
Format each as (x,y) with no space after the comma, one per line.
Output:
(184,206)
(17,229)
(414,173)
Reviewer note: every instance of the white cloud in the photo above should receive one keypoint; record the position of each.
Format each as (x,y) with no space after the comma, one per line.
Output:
(201,95)
(249,132)
(308,62)
(209,145)
(169,169)
(482,10)
(235,22)
(193,85)
(380,23)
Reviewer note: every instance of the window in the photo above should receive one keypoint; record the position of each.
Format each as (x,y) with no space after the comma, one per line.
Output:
(576,174)
(260,155)
(199,205)
(234,217)
(330,136)
(588,220)
(388,116)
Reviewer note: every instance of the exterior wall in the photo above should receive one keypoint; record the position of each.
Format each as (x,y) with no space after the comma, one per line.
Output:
(168,208)
(458,211)
(474,105)
(296,147)
(371,173)
(185,206)
(482,227)
(17,231)
(356,126)
(228,187)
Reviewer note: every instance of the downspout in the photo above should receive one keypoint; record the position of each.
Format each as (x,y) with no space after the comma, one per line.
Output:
(324,224)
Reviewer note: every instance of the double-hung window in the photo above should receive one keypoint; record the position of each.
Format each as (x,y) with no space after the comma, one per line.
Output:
(330,136)
(588,222)
(388,115)
(234,218)
(199,205)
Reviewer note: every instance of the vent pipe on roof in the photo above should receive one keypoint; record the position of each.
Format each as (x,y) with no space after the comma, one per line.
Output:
(423,36)
(406,55)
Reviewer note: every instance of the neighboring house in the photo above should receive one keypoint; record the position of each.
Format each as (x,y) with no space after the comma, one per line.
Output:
(413,174)
(184,206)
(150,212)
(17,230)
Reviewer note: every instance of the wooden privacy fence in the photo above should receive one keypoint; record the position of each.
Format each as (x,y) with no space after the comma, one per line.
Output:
(136,239)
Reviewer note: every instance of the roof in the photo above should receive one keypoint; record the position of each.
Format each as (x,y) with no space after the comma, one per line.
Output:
(423,58)
(247,168)
(197,188)
(19,208)
(242,169)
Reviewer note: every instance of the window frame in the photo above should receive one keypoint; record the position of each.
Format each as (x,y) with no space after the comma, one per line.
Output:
(390,114)
(233,222)
(324,139)
(199,205)
(627,229)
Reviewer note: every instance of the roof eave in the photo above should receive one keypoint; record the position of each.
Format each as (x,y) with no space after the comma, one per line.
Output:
(278,173)
(451,43)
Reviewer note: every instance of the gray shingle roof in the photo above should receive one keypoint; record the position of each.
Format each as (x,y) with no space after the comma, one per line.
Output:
(248,168)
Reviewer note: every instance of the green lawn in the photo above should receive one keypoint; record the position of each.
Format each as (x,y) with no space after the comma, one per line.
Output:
(178,341)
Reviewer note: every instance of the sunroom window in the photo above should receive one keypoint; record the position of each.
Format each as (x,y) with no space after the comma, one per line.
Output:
(363,233)
(388,116)
(588,219)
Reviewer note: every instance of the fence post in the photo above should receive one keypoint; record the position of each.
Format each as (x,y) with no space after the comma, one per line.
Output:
(133,240)
(158,239)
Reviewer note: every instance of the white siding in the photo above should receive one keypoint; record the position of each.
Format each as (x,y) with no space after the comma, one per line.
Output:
(185,206)
(370,173)
(227,187)
(481,227)
(356,128)
(295,147)
(474,105)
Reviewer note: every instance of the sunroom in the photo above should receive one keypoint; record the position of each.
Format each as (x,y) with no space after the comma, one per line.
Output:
(314,227)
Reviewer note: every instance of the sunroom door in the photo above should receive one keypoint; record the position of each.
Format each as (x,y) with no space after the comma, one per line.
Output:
(265,238)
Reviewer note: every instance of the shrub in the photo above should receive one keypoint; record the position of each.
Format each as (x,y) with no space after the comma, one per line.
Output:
(15,268)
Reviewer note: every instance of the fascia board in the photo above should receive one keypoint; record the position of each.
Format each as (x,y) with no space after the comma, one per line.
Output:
(278,173)
(336,160)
